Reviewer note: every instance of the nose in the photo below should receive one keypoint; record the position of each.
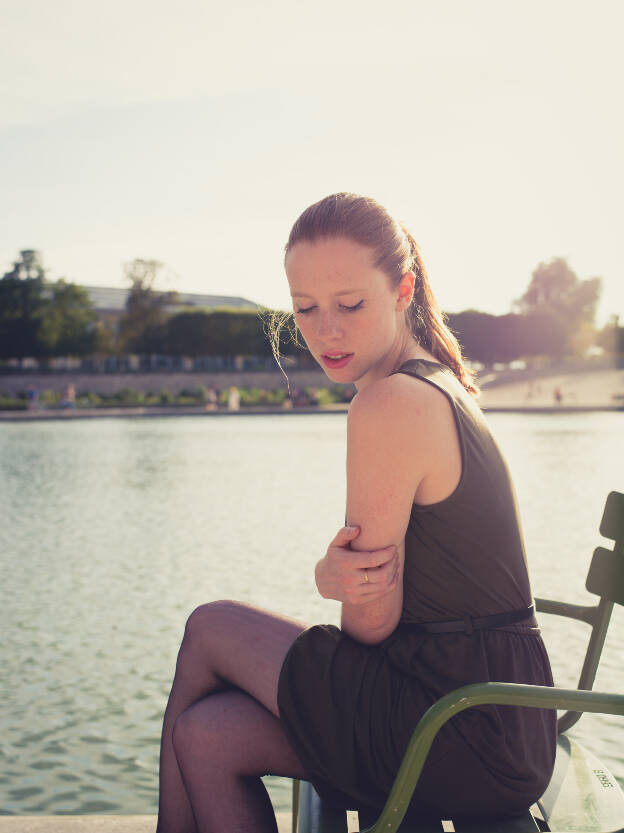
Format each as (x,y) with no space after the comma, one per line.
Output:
(328,325)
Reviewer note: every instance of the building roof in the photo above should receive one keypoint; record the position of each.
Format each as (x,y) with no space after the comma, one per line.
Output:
(113,299)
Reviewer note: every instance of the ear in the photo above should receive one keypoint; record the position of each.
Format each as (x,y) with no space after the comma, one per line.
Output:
(405,291)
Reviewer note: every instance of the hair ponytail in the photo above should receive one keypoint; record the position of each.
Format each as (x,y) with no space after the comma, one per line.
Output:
(427,325)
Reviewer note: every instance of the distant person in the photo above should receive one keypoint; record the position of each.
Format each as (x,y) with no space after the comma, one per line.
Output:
(211,402)
(32,397)
(558,396)
(430,572)
(301,399)
(69,400)
(233,399)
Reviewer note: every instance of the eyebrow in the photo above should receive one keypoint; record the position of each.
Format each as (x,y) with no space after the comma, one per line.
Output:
(337,294)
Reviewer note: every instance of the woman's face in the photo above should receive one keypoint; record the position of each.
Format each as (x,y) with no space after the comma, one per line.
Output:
(350,316)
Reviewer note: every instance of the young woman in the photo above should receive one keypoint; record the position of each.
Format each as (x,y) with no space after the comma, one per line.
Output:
(430,571)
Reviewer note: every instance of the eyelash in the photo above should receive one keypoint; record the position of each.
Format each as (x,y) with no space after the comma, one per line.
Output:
(344,308)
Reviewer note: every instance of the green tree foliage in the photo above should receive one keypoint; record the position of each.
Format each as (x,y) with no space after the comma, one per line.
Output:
(105,338)
(490,338)
(22,297)
(230,332)
(611,337)
(27,267)
(142,327)
(42,319)
(21,303)
(554,317)
(216,332)
(67,321)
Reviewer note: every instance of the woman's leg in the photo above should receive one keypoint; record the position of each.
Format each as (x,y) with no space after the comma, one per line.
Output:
(223,745)
(225,644)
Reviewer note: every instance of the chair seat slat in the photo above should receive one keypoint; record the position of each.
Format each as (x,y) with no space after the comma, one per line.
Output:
(582,795)
(524,823)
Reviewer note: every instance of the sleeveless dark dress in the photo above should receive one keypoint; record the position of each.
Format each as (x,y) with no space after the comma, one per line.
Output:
(349,709)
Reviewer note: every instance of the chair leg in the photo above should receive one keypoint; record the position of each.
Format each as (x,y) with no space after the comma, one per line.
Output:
(295,804)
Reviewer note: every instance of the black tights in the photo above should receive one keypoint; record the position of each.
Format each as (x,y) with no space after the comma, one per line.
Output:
(221,730)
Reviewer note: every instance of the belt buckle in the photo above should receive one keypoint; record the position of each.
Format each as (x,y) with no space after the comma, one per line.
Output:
(468,628)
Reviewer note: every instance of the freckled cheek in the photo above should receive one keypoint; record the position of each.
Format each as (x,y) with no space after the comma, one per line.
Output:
(307,332)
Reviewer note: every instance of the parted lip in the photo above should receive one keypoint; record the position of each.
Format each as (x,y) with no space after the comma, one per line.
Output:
(333,353)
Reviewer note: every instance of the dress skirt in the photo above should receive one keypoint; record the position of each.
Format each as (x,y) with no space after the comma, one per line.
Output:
(349,710)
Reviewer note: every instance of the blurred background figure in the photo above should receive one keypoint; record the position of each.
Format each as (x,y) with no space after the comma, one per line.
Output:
(211,400)
(33,399)
(69,400)
(233,399)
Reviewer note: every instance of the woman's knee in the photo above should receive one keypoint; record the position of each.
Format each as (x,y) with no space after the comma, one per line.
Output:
(192,733)
(208,618)
(212,728)
(232,732)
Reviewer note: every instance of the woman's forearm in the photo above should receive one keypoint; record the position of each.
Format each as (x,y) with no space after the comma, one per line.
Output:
(373,622)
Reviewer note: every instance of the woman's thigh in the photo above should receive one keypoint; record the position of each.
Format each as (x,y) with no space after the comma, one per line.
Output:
(232,731)
(242,645)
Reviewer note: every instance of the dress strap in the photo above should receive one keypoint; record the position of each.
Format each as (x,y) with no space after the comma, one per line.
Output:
(469,624)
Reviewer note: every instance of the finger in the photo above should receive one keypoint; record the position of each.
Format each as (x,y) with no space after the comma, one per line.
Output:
(373,558)
(345,535)
(379,575)
(384,575)
(370,593)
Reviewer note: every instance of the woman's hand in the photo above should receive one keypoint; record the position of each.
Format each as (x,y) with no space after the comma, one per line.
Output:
(356,577)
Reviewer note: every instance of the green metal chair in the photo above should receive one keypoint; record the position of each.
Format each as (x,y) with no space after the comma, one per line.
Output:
(582,797)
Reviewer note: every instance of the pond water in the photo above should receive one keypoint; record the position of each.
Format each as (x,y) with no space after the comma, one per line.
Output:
(113,530)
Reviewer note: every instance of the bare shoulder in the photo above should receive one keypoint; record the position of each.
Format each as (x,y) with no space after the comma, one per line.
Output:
(399,400)
(407,425)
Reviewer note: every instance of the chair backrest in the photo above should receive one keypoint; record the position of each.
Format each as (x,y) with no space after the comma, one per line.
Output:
(605,579)
(606,572)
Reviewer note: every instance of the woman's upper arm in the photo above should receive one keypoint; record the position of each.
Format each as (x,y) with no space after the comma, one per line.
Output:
(384,469)
(384,466)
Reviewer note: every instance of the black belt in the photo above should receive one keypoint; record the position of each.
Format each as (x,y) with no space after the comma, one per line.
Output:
(469,624)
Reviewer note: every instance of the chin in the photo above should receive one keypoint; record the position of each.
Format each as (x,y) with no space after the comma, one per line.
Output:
(341,377)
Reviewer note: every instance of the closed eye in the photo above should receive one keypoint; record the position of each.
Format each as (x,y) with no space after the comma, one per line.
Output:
(343,307)
(353,308)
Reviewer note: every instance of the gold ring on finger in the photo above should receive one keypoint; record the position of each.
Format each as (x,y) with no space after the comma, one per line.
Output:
(366,579)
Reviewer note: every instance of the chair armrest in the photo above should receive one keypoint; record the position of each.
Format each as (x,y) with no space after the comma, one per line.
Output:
(585,613)
(478,694)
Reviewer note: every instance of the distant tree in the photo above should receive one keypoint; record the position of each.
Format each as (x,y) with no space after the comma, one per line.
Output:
(22,298)
(556,289)
(238,333)
(490,338)
(611,337)
(188,333)
(539,333)
(67,321)
(475,332)
(216,332)
(40,319)
(27,267)
(105,339)
(142,327)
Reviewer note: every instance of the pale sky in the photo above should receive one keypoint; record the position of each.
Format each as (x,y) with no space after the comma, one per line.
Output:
(194,133)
